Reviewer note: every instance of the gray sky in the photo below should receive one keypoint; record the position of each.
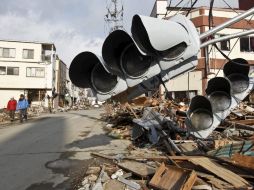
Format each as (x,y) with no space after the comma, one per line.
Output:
(72,25)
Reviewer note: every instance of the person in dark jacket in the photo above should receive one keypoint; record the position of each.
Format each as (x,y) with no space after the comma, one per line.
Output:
(22,107)
(11,107)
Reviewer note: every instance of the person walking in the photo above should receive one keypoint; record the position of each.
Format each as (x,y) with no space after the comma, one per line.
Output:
(11,107)
(22,107)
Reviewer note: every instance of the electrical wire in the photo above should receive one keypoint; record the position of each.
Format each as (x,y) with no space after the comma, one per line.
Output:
(230,7)
(168,12)
(170,2)
(210,21)
(228,55)
(192,5)
(185,5)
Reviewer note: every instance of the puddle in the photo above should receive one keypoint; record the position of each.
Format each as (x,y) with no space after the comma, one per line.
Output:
(67,167)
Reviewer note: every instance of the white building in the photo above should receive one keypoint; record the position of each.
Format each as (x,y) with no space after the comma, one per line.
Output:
(26,68)
(209,64)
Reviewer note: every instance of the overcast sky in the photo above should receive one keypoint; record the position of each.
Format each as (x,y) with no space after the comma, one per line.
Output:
(72,25)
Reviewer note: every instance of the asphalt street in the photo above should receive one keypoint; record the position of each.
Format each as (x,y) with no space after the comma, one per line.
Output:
(51,151)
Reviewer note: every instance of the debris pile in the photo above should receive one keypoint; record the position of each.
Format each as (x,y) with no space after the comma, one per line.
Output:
(165,156)
(151,169)
(3,116)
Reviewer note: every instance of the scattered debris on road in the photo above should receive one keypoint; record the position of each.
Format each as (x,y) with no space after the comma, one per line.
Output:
(165,156)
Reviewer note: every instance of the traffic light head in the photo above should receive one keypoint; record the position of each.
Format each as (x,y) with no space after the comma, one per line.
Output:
(218,92)
(200,115)
(237,71)
(223,95)
(87,70)
(173,40)
(125,59)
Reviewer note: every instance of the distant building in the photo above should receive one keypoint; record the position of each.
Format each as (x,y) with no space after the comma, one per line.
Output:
(209,65)
(60,83)
(73,93)
(26,68)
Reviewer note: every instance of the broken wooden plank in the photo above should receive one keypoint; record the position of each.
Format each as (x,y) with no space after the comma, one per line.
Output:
(222,142)
(245,122)
(242,160)
(227,175)
(160,158)
(137,168)
(213,180)
(145,157)
(129,183)
(240,125)
(171,177)
(103,156)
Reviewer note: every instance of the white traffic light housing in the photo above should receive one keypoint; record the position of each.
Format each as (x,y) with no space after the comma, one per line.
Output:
(199,114)
(218,92)
(223,95)
(125,59)
(88,70)
(174,42)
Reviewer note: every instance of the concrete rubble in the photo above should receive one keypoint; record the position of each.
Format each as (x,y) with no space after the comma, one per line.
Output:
(163,155)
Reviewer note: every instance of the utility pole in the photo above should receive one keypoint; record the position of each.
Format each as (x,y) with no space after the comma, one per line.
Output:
(114,16)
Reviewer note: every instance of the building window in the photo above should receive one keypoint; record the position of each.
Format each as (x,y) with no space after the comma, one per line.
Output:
(28,53)
(2,70)
(35,72)
(225,45)
(35,95)
(247,44)
(7,52)
(12,71)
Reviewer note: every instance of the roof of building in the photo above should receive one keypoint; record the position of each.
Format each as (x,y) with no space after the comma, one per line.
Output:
(205,7)
(46,45)
(217,3)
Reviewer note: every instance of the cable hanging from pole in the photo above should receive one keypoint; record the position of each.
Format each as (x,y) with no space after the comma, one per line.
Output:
(210,21)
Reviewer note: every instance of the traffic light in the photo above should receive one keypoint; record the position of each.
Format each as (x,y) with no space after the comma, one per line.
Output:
(174,43)
(158,49)
(126,60)
(88,70)
(223,95)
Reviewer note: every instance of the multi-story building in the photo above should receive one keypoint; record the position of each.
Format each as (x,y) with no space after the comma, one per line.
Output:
(211,63)
(26,68)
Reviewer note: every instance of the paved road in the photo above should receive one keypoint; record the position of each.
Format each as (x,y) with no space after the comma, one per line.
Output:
(52,151)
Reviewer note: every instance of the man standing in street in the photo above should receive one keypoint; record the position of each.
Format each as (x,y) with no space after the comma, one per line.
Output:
(11,107)
(22,107)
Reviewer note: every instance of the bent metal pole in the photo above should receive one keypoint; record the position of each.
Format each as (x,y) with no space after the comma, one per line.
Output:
(227,23)
(227,37)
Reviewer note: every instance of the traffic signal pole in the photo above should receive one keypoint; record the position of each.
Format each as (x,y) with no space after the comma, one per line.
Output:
(227,37)
(226,24)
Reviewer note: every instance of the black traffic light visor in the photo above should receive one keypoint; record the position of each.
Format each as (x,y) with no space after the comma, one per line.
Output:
(81,68)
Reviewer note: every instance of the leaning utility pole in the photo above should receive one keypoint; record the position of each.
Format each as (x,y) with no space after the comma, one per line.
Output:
(114,16)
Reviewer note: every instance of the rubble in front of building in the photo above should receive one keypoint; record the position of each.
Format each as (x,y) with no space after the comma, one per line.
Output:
(163,155)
